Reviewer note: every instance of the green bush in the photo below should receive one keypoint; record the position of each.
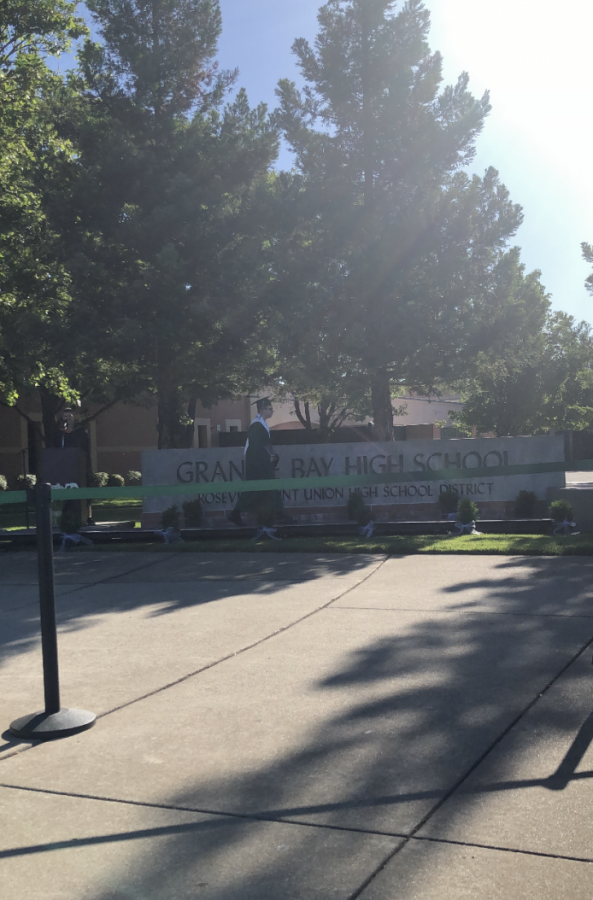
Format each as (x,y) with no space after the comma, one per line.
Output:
(193,513)
(467,511)
(99,479)
(448,501)
(116,481)
(3,483)
(170,518)
(561,510)
(26,482)
(134,477)
(70,520)
(525,504)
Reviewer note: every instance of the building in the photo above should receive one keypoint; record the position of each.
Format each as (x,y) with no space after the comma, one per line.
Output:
(120,434)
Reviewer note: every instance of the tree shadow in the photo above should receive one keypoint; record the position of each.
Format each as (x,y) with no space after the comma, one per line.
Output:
(214,578)
(406,716)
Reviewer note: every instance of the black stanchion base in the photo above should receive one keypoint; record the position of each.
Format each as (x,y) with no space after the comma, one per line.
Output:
(44,726)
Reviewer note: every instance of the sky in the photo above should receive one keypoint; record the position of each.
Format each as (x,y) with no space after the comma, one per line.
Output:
(534,56)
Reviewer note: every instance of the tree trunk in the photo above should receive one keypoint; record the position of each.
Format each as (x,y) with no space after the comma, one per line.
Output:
(304,418)
(190,428)
(172,429)
(382,408)
(326,412)
(50,407)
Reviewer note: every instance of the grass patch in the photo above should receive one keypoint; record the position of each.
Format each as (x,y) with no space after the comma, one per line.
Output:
(12,515)
(495,544)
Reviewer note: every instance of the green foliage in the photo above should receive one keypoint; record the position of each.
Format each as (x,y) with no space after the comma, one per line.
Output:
(467,511)
(561,510)
(34,162)
(25,482)
(170,518)
(99,479)
(392,249)
(182,184)
(541,379)
(448,501)
(193,513)
(134,477)
(525,504)
(3,483)
(116,481)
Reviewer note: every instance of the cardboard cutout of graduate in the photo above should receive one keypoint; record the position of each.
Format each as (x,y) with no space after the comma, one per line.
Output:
(260,464)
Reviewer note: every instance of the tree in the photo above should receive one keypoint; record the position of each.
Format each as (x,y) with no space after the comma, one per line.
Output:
(34,284)
(403,240)
(181,188)
(544,381)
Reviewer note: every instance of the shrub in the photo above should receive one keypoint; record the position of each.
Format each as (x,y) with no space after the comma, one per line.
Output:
(134,477)
(99,479)
(70,521)
(467,511)
(3,483)
(525,504)
(192,513)
(561,510)
(116,481)
(448,501)
(26,482)
(170,518)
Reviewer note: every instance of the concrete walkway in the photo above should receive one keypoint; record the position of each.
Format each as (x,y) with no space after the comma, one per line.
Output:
(299,727)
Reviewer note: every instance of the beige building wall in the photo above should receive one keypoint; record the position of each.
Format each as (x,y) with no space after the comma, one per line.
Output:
(118,436)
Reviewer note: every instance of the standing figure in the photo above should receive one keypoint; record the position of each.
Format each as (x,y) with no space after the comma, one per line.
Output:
(260,464)
(72,437)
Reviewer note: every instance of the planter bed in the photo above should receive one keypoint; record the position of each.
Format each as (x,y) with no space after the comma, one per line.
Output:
(119,533)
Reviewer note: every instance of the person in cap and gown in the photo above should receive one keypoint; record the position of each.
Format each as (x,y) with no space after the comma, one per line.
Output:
(69,437)
(260,464)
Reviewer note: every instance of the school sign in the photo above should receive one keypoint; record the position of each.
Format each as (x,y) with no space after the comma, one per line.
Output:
(417,496)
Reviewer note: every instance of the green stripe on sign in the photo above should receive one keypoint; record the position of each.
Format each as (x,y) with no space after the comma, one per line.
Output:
(13,496)
(285,484)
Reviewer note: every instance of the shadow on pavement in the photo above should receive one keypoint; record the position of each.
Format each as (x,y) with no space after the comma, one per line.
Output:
(415,709)
(76,573)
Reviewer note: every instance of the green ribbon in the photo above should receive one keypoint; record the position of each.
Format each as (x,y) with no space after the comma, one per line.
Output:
(286,484)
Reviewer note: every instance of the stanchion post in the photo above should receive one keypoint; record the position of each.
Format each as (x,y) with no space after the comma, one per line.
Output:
(47,600)
(53,722)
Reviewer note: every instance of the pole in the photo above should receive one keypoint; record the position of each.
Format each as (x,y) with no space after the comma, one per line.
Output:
(54,721)
(24,455)
(47,601)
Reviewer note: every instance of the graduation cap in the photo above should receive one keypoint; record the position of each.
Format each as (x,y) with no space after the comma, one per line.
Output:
(262,403)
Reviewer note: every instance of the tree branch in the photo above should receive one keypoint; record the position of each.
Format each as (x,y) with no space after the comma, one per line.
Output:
(99,412)
(36,425)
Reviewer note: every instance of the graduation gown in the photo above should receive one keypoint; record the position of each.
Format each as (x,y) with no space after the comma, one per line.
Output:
(259,466)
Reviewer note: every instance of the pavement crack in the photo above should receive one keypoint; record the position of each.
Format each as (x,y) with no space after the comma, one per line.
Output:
(204,811)
(227,656)
(242,650)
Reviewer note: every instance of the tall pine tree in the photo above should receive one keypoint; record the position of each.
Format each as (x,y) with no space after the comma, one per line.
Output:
(403,238)
(180,183)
